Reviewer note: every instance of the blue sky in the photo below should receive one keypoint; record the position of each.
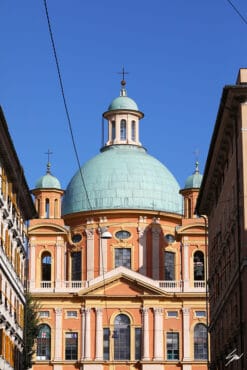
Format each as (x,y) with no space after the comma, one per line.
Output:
(179,55)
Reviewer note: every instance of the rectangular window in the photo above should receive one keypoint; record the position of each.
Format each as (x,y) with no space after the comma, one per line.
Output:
(44,313)
(75,266)
(71,346)
(71,313)
(123,257)
(172,313)
(138,343)
(106,343)
(169,266)
(200,313)
(172,346)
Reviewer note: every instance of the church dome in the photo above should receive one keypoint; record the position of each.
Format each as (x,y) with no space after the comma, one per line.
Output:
(194,181)
(48,181)
(122,177)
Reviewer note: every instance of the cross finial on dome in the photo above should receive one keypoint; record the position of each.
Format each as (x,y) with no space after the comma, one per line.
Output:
(123,91)
(197,167)
(48,166)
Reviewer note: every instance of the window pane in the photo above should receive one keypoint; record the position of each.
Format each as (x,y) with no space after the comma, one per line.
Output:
(46,267)
(200,342)
(123,257)
(106,343)
(121,337)
(71,340)
(172,346)
(133,130)
(113,127)
(169,266)
(76,266)
(44,343)
(123,130)
(138,343)
(198,266)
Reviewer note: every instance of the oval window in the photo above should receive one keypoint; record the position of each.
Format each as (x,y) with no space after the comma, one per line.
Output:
(76,238)
(123,234)
(169,238)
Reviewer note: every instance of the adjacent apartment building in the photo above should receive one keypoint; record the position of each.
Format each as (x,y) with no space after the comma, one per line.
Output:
(223,198)
(117,260)
(16,206)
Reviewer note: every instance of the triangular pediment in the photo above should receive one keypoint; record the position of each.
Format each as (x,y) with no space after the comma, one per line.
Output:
(123,282)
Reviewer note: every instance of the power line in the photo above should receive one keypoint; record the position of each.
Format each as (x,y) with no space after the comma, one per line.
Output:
(237,11)
(65,101)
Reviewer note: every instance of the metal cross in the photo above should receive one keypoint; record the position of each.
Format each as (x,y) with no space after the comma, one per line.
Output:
(48,154)
(123,73)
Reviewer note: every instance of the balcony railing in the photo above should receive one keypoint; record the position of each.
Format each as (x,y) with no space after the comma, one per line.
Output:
(74,285)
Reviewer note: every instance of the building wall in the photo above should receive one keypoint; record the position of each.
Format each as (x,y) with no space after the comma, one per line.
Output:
(156,304)
(13,238)
(223,199)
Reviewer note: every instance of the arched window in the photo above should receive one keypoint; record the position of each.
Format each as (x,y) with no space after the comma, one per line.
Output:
(75,266)
(56,215)
(169,266)
(46,267)
(133,130)
(47,208)
(198,265)
(44,343)
(113,130)
(189,208)
(38,206)
(200,342)
(121,337)
(123,129)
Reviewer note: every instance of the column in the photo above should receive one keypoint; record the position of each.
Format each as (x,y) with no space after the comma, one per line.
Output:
(82,333)
(142,251)
(58,334)
(186,334)
(145,334)
(90,253)
(186,267)
(155,252)
(158,334)
(87,334)
(99,334)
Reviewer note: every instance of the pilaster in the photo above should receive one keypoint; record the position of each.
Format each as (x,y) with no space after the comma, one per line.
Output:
(58,334)
(90,253)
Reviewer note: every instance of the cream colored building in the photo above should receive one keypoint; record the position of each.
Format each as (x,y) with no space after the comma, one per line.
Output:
(16,206)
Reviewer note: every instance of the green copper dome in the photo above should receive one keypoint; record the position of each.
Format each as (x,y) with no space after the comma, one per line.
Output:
(123,102)
(48,181)
(123,177)
(194,181)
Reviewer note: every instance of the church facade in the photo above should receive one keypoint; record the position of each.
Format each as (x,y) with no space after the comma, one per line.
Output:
(118,261)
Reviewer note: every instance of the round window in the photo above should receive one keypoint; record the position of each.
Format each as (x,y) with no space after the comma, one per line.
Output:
(123,234)
(76,238)
(169,238)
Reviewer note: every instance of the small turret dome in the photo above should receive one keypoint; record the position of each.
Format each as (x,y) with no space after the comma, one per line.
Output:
(123,101)
(48,181)
(194,181)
